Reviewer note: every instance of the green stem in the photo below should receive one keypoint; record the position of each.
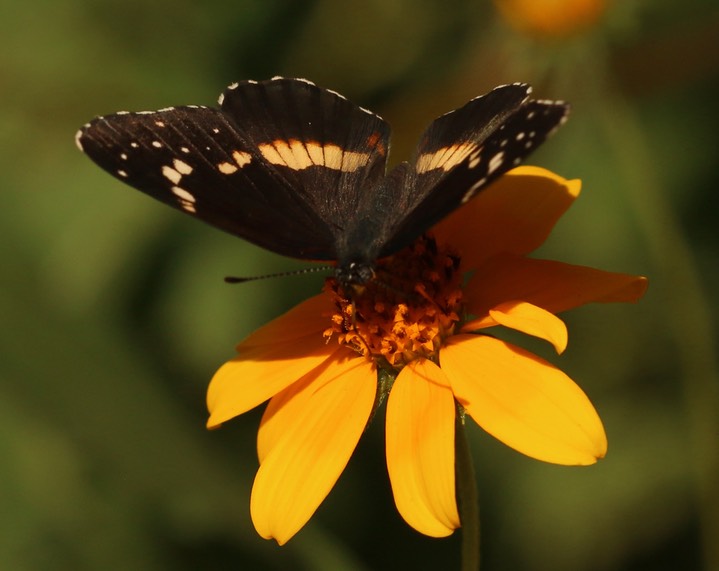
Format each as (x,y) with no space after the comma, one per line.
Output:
(467,498)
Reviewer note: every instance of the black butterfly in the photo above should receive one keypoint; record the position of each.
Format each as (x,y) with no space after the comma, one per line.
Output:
(301,171)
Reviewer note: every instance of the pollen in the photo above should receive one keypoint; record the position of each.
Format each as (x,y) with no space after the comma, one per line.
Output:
(404,313)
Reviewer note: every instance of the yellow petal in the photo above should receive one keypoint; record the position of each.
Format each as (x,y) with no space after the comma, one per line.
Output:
(420,448)
(286,405)
(312,315)
(553,286)
(272,358)
(515,214)
(527,318)
(304,463)
(523,401)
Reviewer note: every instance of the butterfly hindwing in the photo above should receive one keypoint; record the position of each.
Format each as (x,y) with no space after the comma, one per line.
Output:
(247,172)
(465,150)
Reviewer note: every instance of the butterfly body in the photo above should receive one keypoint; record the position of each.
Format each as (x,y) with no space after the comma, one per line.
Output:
(301,171)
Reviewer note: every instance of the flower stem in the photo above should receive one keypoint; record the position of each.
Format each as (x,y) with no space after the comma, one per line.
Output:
(467,497)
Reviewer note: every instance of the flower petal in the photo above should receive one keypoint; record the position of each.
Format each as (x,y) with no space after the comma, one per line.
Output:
(523,401)
(420,448)
(305,461)
(554,286)
(269,360)
(527,318)
(515,214)
(310,316)
(286,405)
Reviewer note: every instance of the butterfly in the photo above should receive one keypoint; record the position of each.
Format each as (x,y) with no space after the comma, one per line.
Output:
(302,171)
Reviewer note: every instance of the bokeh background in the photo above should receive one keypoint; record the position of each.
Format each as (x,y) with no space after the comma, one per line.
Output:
(115,315)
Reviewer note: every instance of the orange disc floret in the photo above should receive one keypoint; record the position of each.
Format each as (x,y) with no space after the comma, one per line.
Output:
(406,312)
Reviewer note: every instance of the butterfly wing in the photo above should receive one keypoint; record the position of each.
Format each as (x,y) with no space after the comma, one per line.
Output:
(464,151)
(273,165)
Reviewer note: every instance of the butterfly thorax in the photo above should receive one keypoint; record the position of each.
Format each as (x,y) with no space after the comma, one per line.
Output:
(364,236)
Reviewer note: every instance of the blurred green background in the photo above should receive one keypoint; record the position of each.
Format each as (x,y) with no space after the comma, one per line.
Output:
(115,314)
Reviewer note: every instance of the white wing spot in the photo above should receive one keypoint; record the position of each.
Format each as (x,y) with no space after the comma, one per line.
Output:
(122,173)
(215,130)
(221,99)
(165,109)
(185,150)
(333,92)
(78,142)
(123,156)
(520,136)
(159,123)
(233,85)
(241,158)
(503,143)
(156,144)
(226,168)
(363,109)
(182,194)
(298,155)
(473,190)
(446,158)
(528,144)
(122,113)
(531,114)
(134,145)
(145,112)
(171,174)
(181,166)
(187,206)
(495,162)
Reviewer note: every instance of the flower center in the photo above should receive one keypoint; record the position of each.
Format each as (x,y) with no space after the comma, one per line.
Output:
(405,312)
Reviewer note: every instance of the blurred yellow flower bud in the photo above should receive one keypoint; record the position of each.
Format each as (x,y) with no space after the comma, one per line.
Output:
(551,18)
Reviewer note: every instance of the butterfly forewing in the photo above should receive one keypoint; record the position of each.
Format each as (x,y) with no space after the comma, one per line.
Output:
(329,150)
(450,139)
(455,161)
(257,168)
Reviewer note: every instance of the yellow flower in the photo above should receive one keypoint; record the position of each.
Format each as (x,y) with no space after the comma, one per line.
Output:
(551,17)
(422,319)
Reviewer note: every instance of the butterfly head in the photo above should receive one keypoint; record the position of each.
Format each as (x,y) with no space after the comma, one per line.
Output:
(354,275)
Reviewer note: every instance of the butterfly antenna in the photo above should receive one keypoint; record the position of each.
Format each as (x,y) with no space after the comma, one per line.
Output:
(300,272)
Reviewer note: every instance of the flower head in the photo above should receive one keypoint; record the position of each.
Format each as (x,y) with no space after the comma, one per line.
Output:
(406,312)
(422,322)
(552,18)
